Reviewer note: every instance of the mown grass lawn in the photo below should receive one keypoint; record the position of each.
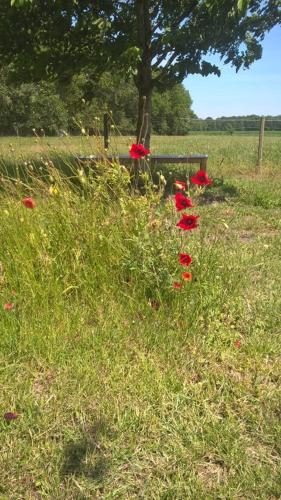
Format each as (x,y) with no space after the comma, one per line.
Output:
(125,387)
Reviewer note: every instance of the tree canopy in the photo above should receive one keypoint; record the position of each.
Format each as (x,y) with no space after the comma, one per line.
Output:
(66,35)
(160,42)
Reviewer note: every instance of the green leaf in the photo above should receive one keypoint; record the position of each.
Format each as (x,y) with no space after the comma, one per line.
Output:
(19,3)
(242,4)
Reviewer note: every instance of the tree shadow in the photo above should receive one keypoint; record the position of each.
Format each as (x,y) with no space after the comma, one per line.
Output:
(16,168)
(86,456)
(218,192)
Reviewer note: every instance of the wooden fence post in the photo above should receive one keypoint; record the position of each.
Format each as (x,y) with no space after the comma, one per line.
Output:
(260,149)
(106,130)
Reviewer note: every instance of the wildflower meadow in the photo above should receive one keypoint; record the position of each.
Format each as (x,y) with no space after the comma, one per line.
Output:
(139,322)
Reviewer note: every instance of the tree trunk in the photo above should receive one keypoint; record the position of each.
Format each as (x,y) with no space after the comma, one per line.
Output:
(144,81)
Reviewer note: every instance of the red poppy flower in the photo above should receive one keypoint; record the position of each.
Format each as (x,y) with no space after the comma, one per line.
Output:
(188,222)
(180,185)
(237,344)
(177,284)
(8,306)
(138,151)
(201,178)
(10,415)
(187,276)
(29,202)
(185,259)
(182,202)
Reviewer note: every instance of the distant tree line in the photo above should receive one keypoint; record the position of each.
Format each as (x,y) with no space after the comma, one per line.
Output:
(77,106)
(231,124)
(52,108)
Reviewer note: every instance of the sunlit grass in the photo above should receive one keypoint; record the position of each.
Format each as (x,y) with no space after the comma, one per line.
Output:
(229,155)
(125,387)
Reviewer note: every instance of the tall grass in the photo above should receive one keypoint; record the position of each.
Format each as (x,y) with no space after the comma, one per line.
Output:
(124,386)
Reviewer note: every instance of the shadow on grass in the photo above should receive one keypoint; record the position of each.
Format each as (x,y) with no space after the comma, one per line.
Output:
(86,457)
(67,165)
(17,168)
(219,192)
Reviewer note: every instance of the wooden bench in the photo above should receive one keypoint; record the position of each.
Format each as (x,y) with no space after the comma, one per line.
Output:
(125,158)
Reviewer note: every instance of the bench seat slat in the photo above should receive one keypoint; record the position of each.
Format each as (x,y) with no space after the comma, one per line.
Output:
(196,158)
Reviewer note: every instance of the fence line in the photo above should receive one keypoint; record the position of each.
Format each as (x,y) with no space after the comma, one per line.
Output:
(262,123)
(181,125)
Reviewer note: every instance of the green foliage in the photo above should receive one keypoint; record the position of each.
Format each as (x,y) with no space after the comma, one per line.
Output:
(172,111)
(93,35)
(81,103)
(5,107)
(242,4)
(28,106)
(88,98)
(19,3)
(49,111)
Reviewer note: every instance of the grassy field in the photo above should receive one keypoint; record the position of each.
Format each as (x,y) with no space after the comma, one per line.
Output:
(230,155)
(124,386)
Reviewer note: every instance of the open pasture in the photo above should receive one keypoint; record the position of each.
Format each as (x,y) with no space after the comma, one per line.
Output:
(125,387)
(229,155)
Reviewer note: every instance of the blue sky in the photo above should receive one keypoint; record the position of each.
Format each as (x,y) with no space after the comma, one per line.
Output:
(253,91)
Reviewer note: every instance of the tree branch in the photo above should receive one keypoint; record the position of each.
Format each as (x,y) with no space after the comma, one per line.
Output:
(164,68)
(173,26)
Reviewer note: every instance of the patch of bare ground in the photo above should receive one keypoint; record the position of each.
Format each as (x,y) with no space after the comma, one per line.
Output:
(212,471)
(248,236)
(42,384)
(262,454)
